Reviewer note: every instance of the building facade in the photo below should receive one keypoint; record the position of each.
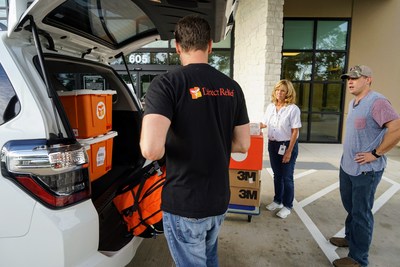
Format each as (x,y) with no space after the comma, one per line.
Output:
(324,39)
(309,42)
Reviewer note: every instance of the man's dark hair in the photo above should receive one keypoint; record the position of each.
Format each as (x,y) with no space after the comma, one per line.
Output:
(193,33)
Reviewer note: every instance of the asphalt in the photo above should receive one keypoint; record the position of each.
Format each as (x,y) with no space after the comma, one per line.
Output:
(302,238)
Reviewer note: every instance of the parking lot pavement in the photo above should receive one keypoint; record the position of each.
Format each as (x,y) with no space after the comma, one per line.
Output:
(302,238)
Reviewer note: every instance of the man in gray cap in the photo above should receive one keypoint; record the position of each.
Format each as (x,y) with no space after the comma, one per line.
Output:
(372,129)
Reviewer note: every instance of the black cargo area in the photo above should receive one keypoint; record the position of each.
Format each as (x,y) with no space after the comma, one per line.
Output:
(70,74)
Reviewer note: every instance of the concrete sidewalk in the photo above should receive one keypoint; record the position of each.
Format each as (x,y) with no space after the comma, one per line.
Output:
(301,238)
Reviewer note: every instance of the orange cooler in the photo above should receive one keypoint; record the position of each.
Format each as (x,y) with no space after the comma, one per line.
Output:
(99,150)
(89,111)
(253,159)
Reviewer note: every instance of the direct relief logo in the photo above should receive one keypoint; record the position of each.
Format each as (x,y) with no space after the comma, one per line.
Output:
(101,110)
(195,92)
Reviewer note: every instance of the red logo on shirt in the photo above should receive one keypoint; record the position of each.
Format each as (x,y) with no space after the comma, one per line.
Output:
(195,92)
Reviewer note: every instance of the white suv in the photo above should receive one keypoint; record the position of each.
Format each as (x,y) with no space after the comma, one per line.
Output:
(54,209)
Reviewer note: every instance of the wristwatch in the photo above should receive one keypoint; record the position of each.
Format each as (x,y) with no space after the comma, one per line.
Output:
(373,152)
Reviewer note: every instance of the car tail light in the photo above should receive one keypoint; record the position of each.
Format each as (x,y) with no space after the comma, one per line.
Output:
(55,174)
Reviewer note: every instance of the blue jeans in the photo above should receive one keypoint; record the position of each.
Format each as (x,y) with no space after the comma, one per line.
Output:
(193,242)
(283,173)
(357,193)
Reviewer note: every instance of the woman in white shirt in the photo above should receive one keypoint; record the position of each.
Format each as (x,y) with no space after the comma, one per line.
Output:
(282,120)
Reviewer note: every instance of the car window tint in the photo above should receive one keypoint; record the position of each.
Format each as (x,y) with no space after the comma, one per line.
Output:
(122,22)
(9,103)
(3,15)
(68,81)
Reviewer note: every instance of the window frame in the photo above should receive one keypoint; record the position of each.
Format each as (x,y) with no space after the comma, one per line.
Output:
(8,98)
(314,84)
(3,27)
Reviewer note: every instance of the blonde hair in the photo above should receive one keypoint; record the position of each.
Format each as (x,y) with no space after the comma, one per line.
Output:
(290,92)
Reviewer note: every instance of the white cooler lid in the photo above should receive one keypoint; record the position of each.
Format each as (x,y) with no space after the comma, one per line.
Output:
(100,138)
(86,92)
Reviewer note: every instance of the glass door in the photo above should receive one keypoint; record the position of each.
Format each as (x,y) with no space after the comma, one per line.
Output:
(314,55)
(143,83)
(141,80)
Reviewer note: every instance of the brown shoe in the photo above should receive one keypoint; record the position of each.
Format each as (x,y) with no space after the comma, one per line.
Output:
(339,241)
(345,262)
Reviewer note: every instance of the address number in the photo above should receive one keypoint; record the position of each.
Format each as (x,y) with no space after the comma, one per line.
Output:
(139,59)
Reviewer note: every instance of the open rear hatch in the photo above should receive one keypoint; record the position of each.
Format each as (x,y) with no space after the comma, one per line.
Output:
(106,28)
(88,90)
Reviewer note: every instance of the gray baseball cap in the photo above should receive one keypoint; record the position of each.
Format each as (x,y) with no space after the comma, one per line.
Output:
(358,71)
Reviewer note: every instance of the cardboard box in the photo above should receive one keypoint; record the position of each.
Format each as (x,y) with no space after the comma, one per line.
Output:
(99,150)
(244,178)
(253,159)
(246,195)
(89,111)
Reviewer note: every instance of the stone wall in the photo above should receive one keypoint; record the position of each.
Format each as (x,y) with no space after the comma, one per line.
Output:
(257,54)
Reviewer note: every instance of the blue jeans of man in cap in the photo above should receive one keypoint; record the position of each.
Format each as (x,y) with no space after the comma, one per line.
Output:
(283,173)
(357,193)
(193,242)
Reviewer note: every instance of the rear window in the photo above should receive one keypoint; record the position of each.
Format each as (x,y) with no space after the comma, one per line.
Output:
(123,21)
(3,15)
(69,81)
(9,103)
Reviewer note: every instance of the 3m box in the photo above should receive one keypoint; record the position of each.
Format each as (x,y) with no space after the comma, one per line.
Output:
(99,150)
(253,159)
(246,195)
(89,111)
(244,178)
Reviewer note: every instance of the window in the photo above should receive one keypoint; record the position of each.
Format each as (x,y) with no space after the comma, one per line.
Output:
(3,14)
(9,103)
(163,53)
(69,81)
(114,27)
(160,56)
(314,55)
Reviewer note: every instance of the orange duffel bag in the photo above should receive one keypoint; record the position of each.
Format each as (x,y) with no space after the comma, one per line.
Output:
(140,205)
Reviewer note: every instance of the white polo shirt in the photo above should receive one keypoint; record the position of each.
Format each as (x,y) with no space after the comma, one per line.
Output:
(280,123)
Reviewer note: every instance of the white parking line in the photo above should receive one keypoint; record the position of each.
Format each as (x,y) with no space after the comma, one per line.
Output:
(379,202)
(302,174)
(318,194)
(327,248)
(385,197)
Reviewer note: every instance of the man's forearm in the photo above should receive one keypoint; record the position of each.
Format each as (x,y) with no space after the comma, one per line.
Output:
(241,139)
(391,138)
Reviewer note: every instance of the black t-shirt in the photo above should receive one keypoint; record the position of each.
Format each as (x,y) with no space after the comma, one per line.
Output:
(204,105)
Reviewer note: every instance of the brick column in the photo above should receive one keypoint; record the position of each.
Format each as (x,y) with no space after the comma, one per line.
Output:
(257,54)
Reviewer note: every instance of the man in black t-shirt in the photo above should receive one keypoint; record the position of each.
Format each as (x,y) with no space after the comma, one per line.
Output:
(196,116)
